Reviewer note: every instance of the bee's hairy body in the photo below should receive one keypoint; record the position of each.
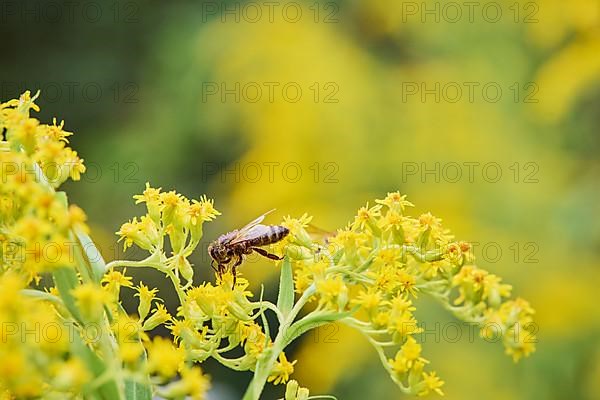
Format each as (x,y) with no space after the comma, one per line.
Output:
(236,244)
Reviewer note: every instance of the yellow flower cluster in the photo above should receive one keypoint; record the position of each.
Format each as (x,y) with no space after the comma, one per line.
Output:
(370,272)
(44,144)
(34,347)
(171,215)
(75,339)
(213,319)
(35,224)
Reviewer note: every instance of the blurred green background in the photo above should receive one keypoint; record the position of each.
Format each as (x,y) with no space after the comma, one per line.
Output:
(485,113)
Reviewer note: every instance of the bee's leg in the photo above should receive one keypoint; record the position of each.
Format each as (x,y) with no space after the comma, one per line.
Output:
(212,265)
(223,266)
(233,270)
(265,253)
(220,271)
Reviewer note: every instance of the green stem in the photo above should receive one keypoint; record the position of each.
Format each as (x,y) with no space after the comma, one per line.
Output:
(270,306)
(147,262)
(176,284)
(265,365)
(38,294)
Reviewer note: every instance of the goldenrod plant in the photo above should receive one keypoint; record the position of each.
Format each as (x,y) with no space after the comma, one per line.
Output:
(65,333)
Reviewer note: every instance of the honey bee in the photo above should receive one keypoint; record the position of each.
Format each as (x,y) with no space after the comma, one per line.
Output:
(234,245)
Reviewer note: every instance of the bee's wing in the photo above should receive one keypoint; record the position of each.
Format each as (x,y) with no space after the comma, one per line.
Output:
(319,234)
(253,232)
(242,232)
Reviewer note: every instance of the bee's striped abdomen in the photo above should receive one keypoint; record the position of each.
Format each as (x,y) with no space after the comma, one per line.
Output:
(275,234)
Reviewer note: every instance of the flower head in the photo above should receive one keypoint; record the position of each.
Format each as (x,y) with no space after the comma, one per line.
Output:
(282,370)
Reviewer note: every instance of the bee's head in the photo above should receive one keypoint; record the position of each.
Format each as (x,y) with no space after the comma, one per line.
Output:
(216,251)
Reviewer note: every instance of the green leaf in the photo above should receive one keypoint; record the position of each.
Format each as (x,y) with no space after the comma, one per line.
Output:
(66,280)
(285,300)
(92,254)
(109,389)
(312,321)
(137,391)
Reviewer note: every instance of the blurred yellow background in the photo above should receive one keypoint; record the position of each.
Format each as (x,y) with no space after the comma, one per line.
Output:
(485,113)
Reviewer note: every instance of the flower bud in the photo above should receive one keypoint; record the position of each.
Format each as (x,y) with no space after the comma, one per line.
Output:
(291,390)
(185,268)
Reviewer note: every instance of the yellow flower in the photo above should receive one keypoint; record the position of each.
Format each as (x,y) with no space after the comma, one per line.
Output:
(407,283)
(393,222)
(403,325)
(114,280)
(519,341)
(493,290)
(411,350)
(149,195)
(139,232)
(407,358)
(56,132)
(298,233)
(70,375)
(367,217)
(130,352)
(282,370)
(293,391)
(77,218)
(173,206)
(160,316)
(399,364)
(389,257)
(127,329)
(369,300)
(152,198)
(400,305)
(91,299)
(396,202)
(203,210)
(195,383)
(212,300)
(164,358)
(352,243)
(332,292)
(432,384)
(253,338)
(146,296)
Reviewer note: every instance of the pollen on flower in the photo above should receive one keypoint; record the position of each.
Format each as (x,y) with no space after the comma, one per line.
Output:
(282,371)
(395,201)
(366,217)
(432,384)
(164,357)
(115,279)
(90,299)
(146,296)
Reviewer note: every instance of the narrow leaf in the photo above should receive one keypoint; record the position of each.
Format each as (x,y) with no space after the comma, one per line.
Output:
(65,280)
(285,300)
(137,391)
(92,254)
(312,321)
(109,389)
